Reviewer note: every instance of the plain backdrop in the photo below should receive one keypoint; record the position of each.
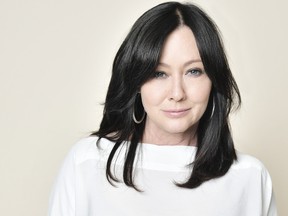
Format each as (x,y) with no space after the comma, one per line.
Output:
(55,65)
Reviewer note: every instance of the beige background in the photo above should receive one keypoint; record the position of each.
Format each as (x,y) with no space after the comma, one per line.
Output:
(55,62)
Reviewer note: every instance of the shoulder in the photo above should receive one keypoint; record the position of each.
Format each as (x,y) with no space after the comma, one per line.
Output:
(250,164)
(258,180)
(245,161)
(251,172)
(87,148)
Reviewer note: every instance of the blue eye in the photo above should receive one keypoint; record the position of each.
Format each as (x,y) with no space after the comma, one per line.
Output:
(159,74)
(195,72)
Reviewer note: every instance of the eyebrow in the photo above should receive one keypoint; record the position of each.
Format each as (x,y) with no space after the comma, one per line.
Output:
(185,64)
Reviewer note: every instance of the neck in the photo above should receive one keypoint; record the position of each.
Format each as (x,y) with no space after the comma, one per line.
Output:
(188,137)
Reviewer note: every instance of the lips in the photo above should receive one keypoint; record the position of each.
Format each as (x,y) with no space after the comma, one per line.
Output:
(176,113)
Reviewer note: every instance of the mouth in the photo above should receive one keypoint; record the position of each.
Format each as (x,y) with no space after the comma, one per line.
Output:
(176,113)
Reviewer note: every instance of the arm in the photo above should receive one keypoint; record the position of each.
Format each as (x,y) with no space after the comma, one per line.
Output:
(62,199)
(269,204)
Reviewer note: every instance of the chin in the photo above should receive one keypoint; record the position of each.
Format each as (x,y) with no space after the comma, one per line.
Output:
(175,129)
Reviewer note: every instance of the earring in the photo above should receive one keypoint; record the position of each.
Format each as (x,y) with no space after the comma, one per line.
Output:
(134,116)
(213,108)
(135,120)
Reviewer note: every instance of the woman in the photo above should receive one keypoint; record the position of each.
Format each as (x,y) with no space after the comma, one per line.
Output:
(164,146)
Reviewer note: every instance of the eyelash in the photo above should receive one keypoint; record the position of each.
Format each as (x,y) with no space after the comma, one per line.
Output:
(193,72)
(159,74)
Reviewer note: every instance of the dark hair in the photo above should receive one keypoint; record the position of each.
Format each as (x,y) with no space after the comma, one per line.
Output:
(135,63)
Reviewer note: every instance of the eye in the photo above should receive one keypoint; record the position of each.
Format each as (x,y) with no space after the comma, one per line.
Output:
(195,72)
(159,74)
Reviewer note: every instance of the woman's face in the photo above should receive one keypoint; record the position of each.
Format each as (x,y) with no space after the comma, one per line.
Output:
(177,96)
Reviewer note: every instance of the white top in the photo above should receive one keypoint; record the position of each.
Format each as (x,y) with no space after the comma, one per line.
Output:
(82,189)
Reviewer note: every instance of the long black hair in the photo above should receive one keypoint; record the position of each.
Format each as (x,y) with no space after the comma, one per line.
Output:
(135,63)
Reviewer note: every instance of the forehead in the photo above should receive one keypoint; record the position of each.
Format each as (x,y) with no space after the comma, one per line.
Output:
(180,45)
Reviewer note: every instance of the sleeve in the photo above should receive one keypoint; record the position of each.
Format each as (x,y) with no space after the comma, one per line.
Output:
(269,204)
(62,198)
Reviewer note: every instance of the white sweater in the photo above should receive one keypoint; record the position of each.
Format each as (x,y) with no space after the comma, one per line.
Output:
(82,189)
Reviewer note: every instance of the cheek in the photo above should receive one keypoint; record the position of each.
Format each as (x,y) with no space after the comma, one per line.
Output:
(199,93)
(152,95)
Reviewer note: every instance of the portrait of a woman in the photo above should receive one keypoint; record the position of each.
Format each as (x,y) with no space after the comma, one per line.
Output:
(164,145)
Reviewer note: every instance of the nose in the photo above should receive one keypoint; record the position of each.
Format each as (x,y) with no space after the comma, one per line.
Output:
(177,91)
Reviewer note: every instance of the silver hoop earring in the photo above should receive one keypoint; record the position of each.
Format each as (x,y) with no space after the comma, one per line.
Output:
(134,116)
(138,121)
(213,109)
